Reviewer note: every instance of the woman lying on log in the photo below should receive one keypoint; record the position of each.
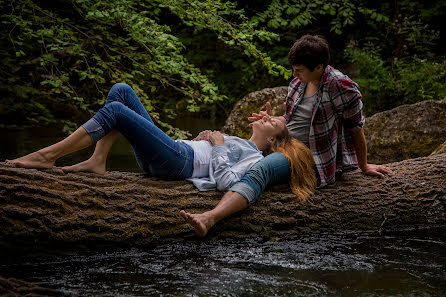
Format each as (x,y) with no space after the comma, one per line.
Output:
(211,161)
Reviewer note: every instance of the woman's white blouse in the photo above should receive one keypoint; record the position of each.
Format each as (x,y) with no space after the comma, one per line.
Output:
(227,164)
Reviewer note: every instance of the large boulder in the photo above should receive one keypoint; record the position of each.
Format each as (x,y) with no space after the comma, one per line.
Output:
(405,132)
(49,209)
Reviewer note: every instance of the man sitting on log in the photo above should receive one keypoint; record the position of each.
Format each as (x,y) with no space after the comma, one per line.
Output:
(324,111)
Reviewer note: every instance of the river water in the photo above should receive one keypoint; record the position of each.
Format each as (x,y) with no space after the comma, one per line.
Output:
(322,265)
(361,264)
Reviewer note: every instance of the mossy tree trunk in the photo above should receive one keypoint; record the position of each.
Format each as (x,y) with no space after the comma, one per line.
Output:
(48,208)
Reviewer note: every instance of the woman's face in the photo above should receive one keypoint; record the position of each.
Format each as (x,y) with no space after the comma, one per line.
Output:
(269,126)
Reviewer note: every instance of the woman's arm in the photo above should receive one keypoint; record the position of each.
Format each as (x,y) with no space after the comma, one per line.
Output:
(226,175)
(225,172)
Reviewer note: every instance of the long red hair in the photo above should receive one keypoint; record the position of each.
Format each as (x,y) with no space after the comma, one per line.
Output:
(303,179)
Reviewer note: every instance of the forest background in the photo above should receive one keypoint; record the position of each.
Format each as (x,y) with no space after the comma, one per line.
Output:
(182,57)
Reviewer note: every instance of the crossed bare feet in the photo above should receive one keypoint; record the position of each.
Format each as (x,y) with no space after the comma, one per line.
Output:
(33,160)
(91,165)
(200,222)
(38,160)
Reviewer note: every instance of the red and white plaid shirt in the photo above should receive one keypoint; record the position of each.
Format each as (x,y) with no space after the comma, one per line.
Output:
(336,111)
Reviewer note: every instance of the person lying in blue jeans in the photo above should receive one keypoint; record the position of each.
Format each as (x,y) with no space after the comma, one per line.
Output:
(323,111)
(211,161)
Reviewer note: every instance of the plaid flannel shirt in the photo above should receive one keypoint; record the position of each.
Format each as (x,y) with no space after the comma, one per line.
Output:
(336,111)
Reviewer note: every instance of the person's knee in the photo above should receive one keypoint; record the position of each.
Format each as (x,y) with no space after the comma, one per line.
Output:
(115,106)
(114,110)
(118,92)
(120,87)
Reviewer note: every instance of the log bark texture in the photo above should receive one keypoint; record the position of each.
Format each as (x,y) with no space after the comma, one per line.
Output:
(48,208)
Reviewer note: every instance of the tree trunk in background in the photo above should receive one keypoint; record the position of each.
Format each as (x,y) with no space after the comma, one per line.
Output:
(49,209)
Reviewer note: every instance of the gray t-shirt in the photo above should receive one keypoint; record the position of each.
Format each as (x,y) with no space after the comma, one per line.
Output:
(299,124)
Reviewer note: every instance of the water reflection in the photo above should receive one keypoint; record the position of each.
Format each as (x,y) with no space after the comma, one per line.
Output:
(326,265)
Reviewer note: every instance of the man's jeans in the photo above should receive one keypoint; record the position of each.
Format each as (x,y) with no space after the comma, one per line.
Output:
(156,153)
(271,170)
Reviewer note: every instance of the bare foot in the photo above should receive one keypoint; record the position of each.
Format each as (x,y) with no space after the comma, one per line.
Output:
(33,160)
(200,222)
(90,165)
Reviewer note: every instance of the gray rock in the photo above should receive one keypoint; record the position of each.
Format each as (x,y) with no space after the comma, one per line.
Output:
(406,132)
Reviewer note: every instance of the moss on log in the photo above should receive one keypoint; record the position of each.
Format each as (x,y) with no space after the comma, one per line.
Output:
(48,208)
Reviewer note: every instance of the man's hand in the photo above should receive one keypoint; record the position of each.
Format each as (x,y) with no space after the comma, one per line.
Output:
(361,151)
(216,138)
(261,114)
(376,170)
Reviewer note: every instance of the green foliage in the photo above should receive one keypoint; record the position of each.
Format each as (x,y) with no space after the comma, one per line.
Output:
(397,65)
(296,14)
(73,58)
(404,81)
(59,60)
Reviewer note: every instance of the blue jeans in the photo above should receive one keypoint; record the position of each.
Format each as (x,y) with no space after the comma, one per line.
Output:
(271,170)
(156,153)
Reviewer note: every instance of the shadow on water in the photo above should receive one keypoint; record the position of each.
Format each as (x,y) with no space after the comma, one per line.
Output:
(323,265)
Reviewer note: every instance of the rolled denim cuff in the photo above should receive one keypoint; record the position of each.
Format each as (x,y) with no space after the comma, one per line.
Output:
(93,129)
(245,190)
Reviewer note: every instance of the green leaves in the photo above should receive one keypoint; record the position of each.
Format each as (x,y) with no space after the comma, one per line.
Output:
(183,55)
(403,81)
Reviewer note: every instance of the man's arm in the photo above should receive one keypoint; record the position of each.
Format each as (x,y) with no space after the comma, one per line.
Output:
(348,105)
(361,153)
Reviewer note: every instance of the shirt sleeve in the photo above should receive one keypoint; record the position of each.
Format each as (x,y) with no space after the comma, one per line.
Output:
(348,104)
(226,175)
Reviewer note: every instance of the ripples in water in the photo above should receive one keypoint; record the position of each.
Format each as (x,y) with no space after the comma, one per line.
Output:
(323,265)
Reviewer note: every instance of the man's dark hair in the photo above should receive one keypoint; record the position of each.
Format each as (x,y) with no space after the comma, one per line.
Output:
(310,51)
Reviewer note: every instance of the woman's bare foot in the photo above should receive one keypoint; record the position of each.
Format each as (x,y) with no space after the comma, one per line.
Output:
(91,165)
(200,222)
(33,160)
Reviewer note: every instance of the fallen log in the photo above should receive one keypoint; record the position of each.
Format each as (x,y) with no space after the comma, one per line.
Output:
(48,208)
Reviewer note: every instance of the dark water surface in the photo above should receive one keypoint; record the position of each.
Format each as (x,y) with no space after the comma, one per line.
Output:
(318,265)
(323,265)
